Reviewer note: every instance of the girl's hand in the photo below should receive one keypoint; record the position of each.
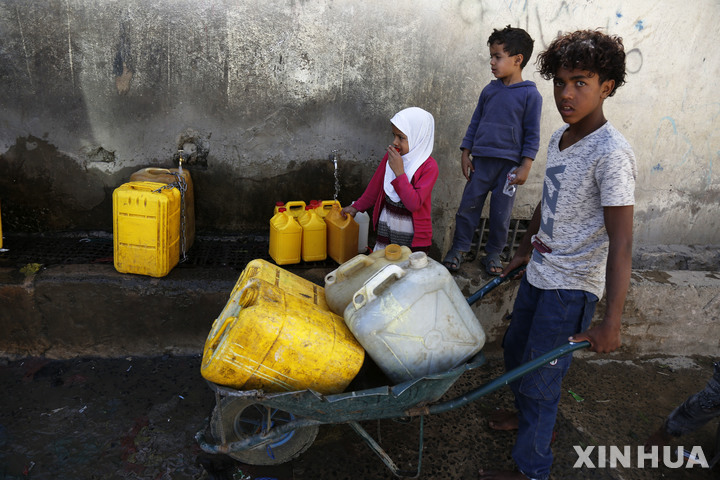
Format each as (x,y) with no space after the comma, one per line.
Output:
(349,210)
(395,161)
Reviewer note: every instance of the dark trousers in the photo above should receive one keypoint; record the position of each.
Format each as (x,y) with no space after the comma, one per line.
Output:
(541,321)
(489,176)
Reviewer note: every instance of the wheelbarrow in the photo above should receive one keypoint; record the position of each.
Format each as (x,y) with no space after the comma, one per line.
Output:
(261,428)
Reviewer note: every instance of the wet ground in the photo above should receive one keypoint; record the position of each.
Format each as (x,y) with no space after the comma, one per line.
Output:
(136,418)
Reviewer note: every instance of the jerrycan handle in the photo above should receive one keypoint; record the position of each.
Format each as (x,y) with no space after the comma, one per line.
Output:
(245,297)
(324,207)
(328,204)
(367,293)
(348,268)
(295,207)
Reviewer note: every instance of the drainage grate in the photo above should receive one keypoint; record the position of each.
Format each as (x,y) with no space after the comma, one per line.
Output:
(517,229)
(21,250)
(229,251)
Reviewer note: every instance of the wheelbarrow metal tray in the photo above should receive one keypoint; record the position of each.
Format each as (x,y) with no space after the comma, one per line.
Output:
(368,404)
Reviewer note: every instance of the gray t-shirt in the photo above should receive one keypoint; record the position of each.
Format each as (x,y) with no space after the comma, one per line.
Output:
(598,171)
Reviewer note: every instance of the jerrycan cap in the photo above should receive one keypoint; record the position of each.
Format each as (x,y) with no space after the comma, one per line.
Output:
(418,260)
(248,295)
(393,252)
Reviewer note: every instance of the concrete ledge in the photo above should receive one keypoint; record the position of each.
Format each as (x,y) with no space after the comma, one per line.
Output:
(673,312)
(79,310)
(73,310)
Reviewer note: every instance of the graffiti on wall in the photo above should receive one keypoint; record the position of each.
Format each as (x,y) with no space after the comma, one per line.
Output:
(676,143)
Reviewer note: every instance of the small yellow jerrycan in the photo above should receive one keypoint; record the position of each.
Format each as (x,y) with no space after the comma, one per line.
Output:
(285,238)
(342,235)
(314,236)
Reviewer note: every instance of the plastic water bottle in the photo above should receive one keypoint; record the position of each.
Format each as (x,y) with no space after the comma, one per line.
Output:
(509,190)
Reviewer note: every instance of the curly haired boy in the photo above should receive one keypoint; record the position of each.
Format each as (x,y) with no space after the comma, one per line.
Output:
(578,244)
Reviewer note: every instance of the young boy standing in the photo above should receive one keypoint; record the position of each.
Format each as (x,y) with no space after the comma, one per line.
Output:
(504,133)
(578,243)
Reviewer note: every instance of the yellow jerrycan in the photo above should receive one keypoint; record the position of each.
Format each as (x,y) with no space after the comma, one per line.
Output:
(314,236)
(286,281)
(342,283)
(323,207)
(146,228)
(285,238)
(342,235)
(167,176)
(266,339)
(295,208)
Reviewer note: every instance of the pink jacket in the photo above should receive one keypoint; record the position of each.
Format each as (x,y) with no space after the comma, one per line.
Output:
(415,195)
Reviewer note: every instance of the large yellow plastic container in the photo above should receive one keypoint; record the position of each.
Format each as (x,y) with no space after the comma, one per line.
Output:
(146,228)
(270,340)
(342,235)
(286,281)
(314,236)
(165,175)
(285,238)
(342,283)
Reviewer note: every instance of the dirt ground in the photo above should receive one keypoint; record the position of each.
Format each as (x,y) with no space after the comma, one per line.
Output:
(135,418)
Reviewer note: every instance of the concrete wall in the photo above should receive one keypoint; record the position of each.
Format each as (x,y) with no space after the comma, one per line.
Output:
(266,93)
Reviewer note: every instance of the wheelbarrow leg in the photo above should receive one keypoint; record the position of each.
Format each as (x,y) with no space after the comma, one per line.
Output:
(385,457)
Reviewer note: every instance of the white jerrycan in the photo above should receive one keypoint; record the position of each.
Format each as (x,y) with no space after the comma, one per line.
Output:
(414,321)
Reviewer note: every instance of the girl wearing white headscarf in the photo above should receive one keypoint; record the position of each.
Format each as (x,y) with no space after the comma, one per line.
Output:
(400,190)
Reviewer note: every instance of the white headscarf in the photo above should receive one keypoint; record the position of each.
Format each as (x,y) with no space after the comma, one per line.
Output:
(419,126)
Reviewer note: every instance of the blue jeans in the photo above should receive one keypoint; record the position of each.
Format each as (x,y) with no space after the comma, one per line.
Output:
(541,321)
(489,176)
(697,410)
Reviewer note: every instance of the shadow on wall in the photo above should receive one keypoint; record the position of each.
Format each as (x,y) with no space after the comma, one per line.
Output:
(44,190)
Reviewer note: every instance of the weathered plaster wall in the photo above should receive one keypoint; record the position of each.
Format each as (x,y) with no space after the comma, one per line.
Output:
(267,92)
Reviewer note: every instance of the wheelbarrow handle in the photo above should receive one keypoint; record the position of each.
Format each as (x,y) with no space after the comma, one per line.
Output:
(492,284)
(501,381)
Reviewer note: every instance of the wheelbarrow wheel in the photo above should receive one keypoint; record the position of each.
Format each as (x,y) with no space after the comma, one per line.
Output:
(239,418)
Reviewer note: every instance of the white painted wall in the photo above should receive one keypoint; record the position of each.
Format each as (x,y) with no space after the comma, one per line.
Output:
(667,109)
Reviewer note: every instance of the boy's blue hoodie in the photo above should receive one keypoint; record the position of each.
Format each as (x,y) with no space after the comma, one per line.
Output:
(506,122)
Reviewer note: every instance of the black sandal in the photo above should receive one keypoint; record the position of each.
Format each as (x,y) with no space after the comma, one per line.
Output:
(492,261)
(453,259)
